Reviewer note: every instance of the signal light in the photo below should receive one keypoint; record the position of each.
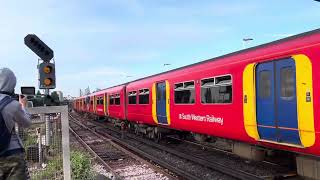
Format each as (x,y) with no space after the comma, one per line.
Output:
(47,76)
(47,69)
(38,47)
(47,81)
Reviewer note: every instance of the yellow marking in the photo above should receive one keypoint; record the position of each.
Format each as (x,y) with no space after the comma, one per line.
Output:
(104,104)
(304,109)
(168,102)
(94,104)
(249,107)
(108,105)
(154,103)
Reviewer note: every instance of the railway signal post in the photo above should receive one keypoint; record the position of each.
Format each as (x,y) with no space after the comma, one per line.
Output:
(47,77)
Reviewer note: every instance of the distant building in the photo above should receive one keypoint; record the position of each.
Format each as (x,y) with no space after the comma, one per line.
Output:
(60,94)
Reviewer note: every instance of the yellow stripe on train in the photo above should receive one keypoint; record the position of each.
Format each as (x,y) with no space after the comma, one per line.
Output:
(168,102)
(249,101)
(154,103)
(304,100)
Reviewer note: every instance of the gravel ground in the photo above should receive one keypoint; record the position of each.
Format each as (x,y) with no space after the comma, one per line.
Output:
(129,169)
(97,168)
(195,169)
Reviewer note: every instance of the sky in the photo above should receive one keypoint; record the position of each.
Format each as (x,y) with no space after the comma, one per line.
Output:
(102,43)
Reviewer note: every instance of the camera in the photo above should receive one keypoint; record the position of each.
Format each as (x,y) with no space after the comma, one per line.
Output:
(25,91)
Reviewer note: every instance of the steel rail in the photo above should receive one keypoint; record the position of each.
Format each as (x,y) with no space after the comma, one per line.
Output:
(96,156)
(130,153)
(163,164)
(238,174)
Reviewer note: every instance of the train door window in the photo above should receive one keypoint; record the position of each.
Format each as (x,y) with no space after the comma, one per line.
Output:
(111,99)
(184,93)
(287,82)
(265,84)
(101,101)
(98,100)
(144,96)
(117,99)
(216,90)
(132,97)
(91,102)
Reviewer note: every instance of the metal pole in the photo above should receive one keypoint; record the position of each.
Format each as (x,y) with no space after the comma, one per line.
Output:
(39,146)
(47,122)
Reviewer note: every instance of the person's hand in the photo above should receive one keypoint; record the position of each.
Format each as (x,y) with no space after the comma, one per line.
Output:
(23,101)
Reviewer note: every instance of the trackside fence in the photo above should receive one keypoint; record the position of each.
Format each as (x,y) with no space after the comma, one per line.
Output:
(47,143)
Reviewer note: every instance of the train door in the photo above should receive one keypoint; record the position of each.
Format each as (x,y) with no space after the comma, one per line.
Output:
(105,104)
(161,102)
(277,102)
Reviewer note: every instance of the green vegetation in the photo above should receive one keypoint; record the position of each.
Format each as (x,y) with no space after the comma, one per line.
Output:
(52,171)
(30,140)
(81,166)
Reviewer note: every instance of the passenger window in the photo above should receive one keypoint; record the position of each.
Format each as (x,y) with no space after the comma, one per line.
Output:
(287,82)
(265,84)
(184,93)
(144,96)
(111,99)
(101,101)
(132,97)
(117,99)
(216,90)
(159,93)
(98,101)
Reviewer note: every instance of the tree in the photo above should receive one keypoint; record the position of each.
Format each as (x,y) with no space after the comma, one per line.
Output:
(55,96)
(38,93)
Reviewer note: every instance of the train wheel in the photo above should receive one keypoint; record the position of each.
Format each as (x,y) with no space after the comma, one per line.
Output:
(158,137)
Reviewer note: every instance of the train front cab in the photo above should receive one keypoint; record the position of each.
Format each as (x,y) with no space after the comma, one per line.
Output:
(278,103)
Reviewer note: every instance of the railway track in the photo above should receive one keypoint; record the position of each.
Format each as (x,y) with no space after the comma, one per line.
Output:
(214,160)
(182,152)
(121,163)
(142,146)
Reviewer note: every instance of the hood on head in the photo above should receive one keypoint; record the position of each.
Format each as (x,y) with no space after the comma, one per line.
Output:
(7,80)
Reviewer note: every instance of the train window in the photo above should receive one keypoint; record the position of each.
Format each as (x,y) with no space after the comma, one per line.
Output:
(216,90)
(91,102)
(207,82)
(287,82)
(265,84)
(117,99)
(178,86)
(111,100)
(98,100)
(144,96)
(223,80)
(184,94)
(132,97)
(101,101)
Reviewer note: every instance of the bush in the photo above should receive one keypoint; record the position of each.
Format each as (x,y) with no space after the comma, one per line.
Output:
(81,166)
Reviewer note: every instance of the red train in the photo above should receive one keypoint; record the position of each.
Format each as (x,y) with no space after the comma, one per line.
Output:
(265,96)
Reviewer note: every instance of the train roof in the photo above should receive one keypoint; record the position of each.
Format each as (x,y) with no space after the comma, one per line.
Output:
(308,33)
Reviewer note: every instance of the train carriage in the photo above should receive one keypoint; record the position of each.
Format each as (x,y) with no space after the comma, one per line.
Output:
(265,95)
(262,95)
(117,101)
(101,103)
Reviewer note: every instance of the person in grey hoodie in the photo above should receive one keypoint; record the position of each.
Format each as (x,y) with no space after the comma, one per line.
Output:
(12,162)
